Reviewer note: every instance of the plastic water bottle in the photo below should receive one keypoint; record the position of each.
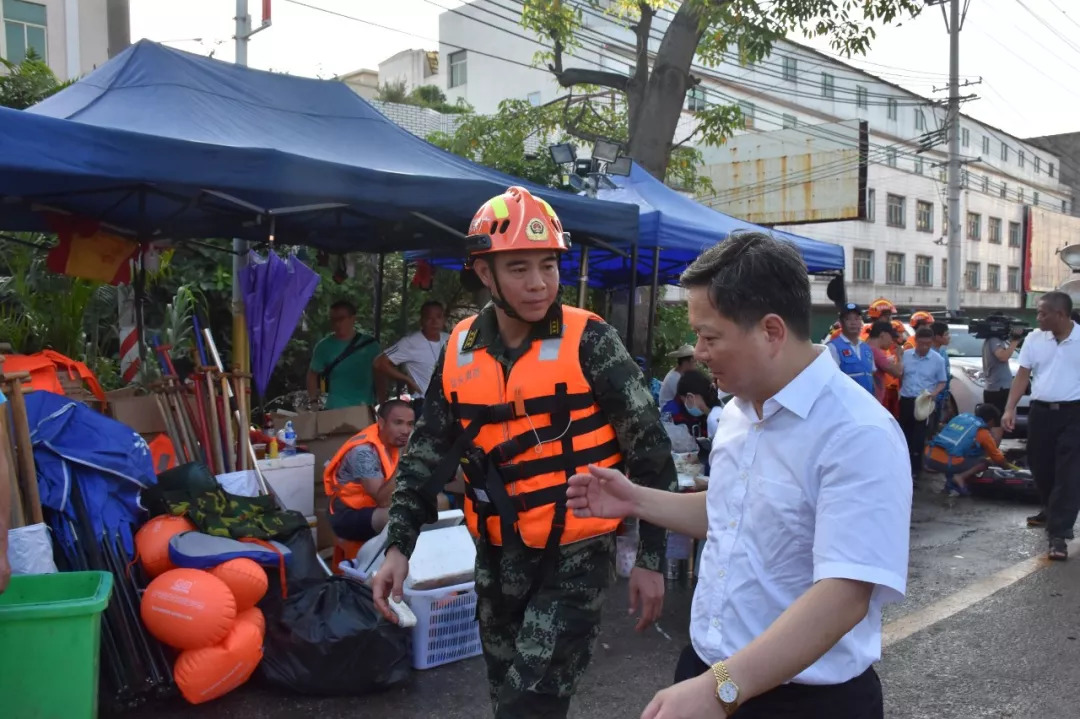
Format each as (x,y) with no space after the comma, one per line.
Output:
(289,450)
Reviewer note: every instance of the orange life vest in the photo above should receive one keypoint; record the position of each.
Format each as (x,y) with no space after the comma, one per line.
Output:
(530,430)
(353,494)
(163,453)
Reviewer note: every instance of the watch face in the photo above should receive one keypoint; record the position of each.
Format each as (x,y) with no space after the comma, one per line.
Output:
(727,692)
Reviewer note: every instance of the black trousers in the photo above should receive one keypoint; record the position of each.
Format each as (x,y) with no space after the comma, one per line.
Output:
(914,432)
(997,397)
(1054,457)
(859,698)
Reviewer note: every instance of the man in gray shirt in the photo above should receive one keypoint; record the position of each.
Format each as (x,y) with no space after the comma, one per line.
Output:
(998,375)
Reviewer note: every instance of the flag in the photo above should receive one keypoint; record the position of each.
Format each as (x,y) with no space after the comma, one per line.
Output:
(87,251)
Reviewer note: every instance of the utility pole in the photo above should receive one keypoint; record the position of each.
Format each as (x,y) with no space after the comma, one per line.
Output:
(952,281)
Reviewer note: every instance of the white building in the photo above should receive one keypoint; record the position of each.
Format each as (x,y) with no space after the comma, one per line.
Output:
(72,36)
(363,82)
(898,248)
(411,68)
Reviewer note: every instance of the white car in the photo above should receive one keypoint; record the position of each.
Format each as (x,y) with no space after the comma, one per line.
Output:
(966,388)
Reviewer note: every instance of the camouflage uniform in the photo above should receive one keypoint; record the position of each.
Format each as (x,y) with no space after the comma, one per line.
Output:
(537,643)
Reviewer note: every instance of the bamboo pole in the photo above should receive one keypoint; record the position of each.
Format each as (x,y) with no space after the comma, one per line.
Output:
(18,514)
(212,417)
(24,446)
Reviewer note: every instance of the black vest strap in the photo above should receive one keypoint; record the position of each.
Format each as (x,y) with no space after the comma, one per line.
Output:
(559,463)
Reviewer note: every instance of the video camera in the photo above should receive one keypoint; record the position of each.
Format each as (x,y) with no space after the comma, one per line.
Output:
(1000,326)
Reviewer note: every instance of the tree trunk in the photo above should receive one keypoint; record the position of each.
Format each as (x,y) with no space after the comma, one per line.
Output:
(662,101)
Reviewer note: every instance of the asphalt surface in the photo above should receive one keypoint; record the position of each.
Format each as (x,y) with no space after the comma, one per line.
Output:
(1010,655)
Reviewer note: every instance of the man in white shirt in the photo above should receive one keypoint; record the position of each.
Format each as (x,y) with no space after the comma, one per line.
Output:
(1050,358)
(806,539)
(684,361)
(418,352)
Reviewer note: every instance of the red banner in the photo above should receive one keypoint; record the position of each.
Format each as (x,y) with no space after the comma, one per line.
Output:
(86,251)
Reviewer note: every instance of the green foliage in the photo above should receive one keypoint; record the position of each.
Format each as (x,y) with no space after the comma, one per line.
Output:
(671,331)
(28,82)
(429,96)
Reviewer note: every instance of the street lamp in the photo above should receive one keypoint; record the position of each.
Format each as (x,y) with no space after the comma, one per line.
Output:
(1071,256)
(564,154)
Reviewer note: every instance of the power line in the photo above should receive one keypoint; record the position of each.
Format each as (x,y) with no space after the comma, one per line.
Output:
(1070,17)
(1053,30)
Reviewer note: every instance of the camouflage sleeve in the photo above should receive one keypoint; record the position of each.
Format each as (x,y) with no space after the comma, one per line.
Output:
(621,393)
(415,500)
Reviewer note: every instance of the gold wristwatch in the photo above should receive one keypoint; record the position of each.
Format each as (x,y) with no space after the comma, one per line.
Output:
(727,691)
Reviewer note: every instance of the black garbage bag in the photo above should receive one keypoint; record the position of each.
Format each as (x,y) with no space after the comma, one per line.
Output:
(329,640)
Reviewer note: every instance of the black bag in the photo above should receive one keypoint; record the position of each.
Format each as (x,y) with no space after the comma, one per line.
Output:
(329,640)
(358,342)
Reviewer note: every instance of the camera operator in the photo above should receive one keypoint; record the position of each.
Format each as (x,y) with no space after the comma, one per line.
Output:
(996,352)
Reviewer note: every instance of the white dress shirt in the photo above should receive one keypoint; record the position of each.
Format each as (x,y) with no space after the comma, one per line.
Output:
(419,355)
(819,488)
(1055,367)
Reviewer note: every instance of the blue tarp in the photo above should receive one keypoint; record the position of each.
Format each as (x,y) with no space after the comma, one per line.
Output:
(189,128)
(682,228)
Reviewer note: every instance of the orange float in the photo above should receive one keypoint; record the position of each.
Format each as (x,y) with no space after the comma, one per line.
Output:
(245,578)
(188,609)
(211,672)
(254,616)
(152,542)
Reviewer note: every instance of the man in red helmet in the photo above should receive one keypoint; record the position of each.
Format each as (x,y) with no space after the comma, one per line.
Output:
(527,393)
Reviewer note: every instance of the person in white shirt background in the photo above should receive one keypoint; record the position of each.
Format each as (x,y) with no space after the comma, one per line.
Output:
(684,361)
(1050,358)
(416,353)
(806,541)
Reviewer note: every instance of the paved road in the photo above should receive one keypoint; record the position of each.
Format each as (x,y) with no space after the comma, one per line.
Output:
(1010,655)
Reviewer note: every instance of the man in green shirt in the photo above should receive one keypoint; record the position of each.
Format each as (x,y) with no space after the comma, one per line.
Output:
(344,361)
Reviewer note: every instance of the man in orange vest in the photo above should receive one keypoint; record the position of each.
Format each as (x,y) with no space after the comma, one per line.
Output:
(883,310)
(527,393)
(359,478)
(917,320)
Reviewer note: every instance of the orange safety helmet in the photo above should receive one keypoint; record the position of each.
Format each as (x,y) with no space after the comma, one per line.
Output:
(878,306)
(920,318)
(515,221)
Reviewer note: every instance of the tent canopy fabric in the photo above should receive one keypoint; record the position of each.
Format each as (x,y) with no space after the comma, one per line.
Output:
(682,229)
(162,141)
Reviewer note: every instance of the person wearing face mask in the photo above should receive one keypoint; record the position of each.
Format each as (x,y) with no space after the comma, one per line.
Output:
(695,399)
(526,393)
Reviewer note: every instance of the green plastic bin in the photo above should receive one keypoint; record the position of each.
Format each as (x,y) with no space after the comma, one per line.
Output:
(50,631)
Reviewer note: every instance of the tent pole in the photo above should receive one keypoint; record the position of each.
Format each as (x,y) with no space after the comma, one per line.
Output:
(583,277)
(404,295)
(239,321)
(379,296)
(653,297)
(140,282)
(631,298)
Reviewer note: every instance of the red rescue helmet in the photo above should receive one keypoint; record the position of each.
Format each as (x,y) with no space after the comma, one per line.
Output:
(515,221)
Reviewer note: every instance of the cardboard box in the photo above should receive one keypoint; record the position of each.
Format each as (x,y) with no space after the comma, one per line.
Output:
(304,424)
(310,425)
(140,412)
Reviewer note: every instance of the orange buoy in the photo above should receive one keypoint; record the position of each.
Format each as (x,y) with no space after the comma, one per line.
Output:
(255,616)
(188,608)
(245,578)
(211,672)
(152,542)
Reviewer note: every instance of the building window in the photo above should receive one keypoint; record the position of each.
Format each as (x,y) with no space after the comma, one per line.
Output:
(891,105)
(458,75)
(894,210)
(747,110)
(1013,278)
(993,230)
(860,97)
(1065,206)
(871,206)
(863,262)
(986,184)
(944,272)
(790,121)
(944,219)
(965,136)
(974,226)
(1038,164)
(924,270)
(971,276)
(894,268)
(25,29)
(924,216)
(1020,157)
(920,119)
(534,99)
(791,68)
(1004,152)
(695,99)
(828,85)
(1050,169)
(993,278)
(1035,198)
(890,156)
(1020,194)
(986,145)
(919,165)
(1014,234)
(1004,189)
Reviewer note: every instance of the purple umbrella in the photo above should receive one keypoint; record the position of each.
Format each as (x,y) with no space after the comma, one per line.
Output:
(275,294)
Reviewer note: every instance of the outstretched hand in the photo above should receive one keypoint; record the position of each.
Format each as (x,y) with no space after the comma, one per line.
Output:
(603,493)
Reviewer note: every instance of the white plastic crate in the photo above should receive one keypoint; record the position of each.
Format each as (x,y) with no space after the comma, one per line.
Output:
(446,628)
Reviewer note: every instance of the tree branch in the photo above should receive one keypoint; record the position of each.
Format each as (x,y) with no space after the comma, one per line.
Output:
(582,76)
(572,126)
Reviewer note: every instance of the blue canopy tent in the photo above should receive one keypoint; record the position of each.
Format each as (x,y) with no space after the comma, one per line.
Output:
(162,143)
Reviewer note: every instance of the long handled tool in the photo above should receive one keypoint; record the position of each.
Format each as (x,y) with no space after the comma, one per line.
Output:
(177,394)
(211,401)
(226,394)
(18,515)
(24,447)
